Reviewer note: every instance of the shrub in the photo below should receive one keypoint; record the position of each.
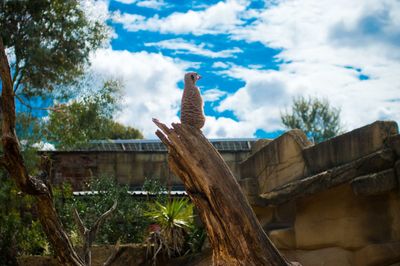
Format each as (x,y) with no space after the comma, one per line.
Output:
(172,223)
(127,223)
(20,231)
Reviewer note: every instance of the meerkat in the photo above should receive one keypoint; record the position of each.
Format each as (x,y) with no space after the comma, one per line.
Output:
(192,112)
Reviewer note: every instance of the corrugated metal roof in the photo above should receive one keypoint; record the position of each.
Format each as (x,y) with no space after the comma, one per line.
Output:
(237,144)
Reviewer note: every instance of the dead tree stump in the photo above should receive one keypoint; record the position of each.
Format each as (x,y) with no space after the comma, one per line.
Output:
(235,234)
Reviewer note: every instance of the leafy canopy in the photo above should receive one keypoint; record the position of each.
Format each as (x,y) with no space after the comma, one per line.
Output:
(49,41)
(317,118)
(89,118)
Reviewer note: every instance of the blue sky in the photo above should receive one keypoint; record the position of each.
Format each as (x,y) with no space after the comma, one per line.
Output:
(254,57)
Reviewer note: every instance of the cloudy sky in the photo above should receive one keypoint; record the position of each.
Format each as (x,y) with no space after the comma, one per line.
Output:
(254,57)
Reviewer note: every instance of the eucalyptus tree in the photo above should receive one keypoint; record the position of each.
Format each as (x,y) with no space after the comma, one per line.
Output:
(317,118)
(48,44)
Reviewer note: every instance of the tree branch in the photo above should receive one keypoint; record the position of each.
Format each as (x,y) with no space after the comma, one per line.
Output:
(17,83)
(101,219)
(88,235)
(33,107)
(15,166)
(81,227)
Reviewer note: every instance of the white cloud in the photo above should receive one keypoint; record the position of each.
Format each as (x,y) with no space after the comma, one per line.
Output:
(224,127)
(213,95)
(181,46)
(219,64)
(125,18)
(128,2)
(222,17)
(319,42)
(257,104)
(154,4)
(150,86)
(95,10)
(324,49)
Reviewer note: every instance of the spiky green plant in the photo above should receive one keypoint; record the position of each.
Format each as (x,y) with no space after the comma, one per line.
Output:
(174,219)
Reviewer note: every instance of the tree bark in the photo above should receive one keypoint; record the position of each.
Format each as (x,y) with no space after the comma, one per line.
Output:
(234,232)
(14,164)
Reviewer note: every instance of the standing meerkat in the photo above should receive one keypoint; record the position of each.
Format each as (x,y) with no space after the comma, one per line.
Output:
(192,104)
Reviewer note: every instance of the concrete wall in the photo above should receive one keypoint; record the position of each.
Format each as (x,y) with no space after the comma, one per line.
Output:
(130,168)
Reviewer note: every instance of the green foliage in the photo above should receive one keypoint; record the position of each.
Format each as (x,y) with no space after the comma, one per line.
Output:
(315,117)
(175,213)
(34,241)
(173,219)
(154,187)
(20,231)
(127,222)
(119,131)
(90,118)
(50,41)
(195,239)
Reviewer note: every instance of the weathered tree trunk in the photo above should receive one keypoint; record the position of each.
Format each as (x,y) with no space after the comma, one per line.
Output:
(13,162)
(234,232)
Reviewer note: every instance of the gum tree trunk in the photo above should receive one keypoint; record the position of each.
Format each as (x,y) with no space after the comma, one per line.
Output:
(234,232)
(13,162)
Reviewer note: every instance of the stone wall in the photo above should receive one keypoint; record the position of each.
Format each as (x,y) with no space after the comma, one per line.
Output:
(130,168)
(334,203)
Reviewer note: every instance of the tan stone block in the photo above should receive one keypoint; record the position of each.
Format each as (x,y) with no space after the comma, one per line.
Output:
(259,144)
(283,238)
(333,256)
(349,146)
(249,186)
(393,142)
(278,162)
(378,254)
(375,183)
(394,215)
(337,217)
(265,215)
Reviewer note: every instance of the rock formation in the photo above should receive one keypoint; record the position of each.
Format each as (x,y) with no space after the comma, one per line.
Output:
(334,203)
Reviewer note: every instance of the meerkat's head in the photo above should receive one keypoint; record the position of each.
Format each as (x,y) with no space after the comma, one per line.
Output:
(192,78)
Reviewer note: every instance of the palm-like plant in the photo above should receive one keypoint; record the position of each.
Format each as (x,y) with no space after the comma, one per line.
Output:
(173,221)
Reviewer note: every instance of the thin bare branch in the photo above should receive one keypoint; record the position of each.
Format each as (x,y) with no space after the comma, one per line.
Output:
(17,83)
(78,221)
(101,219)
(22,101)
(113,255)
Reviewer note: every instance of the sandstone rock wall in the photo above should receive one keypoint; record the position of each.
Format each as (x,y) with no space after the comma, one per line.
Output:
(334,203)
